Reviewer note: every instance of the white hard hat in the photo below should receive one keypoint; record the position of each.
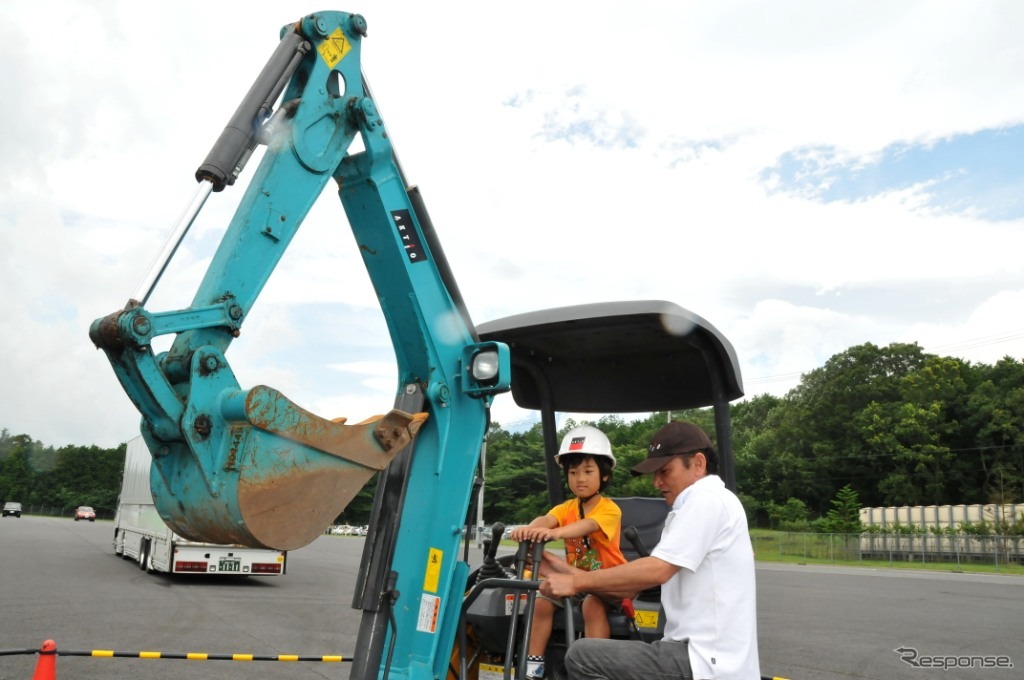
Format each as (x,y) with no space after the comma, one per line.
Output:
(588,440)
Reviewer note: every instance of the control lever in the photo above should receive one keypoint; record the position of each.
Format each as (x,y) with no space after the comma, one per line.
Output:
(536,556)
(633,536)
(531,596)
(490,568)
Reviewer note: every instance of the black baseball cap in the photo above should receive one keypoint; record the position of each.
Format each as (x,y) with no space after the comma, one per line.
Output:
(674,439)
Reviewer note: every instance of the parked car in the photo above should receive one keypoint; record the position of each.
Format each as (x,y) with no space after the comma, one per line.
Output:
(342,530)
(12,508)
(85,512)
(507,536)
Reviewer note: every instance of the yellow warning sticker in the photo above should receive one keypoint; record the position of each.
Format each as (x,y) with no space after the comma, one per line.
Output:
(646,619)
(334,48)
(490,671)
(433,575)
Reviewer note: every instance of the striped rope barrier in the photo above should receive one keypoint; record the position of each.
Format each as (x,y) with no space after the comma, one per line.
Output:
(187,656)
(203,656)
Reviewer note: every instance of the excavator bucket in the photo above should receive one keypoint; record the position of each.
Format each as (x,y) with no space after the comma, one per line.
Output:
(274,475)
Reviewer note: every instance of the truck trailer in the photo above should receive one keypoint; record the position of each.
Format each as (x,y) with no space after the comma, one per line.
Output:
(140,533)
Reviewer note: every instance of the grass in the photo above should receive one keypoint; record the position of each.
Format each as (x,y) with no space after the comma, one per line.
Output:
(823,549)
(788,548)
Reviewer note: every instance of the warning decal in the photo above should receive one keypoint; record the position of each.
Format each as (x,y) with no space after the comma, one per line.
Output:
(510,600)
(433,575)
(334,48)
(430,608)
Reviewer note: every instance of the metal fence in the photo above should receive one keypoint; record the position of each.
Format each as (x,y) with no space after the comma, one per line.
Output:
(995,550)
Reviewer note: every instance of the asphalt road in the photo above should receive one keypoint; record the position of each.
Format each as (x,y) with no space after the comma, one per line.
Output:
(60,580)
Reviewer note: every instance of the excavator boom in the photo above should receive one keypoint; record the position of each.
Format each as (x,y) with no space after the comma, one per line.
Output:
(248,465)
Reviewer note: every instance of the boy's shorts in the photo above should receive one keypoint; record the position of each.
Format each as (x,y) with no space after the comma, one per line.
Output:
(576,599)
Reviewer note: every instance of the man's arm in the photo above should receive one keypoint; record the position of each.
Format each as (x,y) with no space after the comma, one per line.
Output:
(624,580)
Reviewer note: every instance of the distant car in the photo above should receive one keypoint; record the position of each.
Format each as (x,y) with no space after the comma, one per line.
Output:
(508,531)
(85,512)
(12,508)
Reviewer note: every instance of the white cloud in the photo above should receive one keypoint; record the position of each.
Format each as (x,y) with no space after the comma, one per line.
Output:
(677,110)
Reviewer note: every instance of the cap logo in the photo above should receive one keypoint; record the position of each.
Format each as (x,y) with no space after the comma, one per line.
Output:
(577,443)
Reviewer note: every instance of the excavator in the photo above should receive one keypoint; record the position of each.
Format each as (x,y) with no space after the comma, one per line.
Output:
(249,466)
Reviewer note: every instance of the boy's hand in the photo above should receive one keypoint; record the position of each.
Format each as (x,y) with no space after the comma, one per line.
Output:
(535,534)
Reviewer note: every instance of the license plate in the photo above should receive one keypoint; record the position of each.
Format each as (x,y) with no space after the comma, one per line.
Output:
(229,564)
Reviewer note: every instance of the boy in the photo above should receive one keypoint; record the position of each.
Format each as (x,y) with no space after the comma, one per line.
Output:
(589,524)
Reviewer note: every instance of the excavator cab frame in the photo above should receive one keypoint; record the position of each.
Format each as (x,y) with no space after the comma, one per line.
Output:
(604,358)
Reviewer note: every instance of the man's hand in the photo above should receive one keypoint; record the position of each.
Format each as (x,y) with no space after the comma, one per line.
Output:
(558,585)
(553,564)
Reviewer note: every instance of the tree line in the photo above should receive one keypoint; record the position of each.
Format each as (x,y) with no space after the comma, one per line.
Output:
(892,425)
(38,475)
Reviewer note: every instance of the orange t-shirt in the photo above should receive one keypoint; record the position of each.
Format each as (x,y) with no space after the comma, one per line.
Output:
(596,550)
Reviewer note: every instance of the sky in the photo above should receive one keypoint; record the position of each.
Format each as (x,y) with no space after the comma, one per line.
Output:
(806,176)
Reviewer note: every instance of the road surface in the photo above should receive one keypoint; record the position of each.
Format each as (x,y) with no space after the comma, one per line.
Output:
(60,580)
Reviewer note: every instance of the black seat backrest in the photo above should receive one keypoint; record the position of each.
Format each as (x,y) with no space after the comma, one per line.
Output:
(648,516)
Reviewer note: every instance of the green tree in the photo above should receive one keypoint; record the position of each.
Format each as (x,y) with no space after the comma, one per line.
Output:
(789,516)
(911,438)
(754,442)
(995,417)
(515,487)
(821,427)
(844,517)
(16,477)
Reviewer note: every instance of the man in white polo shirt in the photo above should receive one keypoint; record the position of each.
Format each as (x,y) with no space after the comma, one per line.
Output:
(704,563)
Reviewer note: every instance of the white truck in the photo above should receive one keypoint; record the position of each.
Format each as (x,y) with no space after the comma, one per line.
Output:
(141,534)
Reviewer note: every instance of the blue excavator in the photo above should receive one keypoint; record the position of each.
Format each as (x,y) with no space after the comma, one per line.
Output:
(249,466)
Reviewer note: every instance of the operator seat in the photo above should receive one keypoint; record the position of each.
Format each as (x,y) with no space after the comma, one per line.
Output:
(646,515)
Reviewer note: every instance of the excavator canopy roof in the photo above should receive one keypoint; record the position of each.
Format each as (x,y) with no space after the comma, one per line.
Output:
(617,357)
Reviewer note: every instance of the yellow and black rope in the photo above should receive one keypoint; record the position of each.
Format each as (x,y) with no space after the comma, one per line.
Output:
(187,656)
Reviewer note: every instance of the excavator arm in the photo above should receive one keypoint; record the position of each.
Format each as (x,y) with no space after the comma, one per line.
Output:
(249,466)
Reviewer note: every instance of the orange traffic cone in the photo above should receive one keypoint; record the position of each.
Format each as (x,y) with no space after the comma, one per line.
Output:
(46,666)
